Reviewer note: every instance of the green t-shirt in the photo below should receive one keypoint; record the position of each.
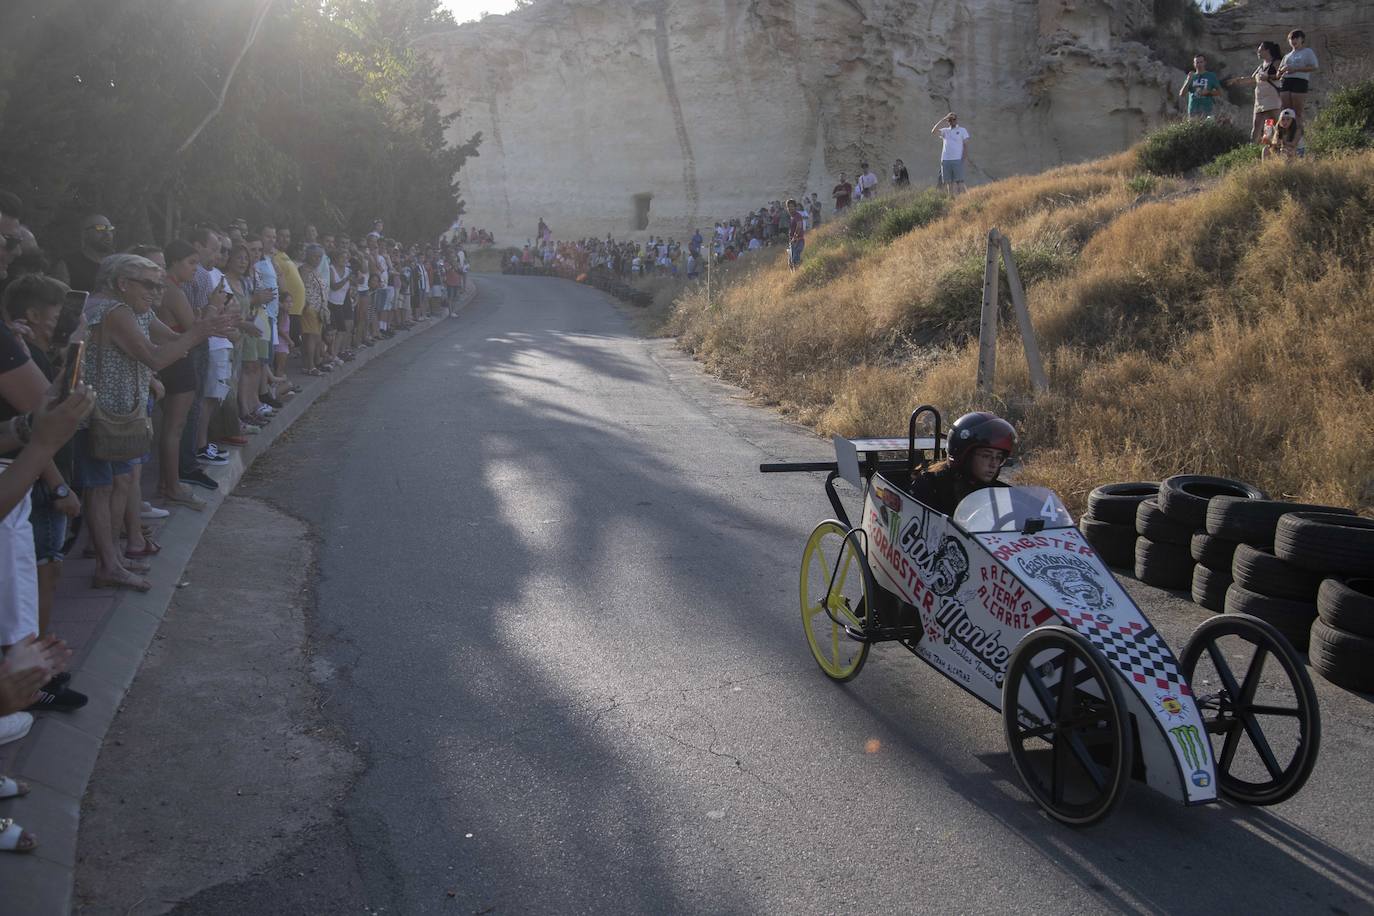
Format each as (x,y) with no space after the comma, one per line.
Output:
(1202,82)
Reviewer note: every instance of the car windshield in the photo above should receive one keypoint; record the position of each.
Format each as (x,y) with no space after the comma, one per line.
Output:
(1011,509)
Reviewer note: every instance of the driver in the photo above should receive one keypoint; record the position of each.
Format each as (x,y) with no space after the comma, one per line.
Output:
(979,444)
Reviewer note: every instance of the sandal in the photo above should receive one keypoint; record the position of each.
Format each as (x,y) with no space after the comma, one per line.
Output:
(313,373)
(151,548)
(136,566)
(129,581)
(12,788)
(14,838)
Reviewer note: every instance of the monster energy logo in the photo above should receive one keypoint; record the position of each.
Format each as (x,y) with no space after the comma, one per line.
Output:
(1190,743)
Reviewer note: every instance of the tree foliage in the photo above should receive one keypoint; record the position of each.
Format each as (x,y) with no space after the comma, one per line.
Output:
(331,116)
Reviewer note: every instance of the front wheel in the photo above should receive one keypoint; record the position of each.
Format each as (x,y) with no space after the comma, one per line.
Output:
(1263,720)
(836,586)
(1066,725)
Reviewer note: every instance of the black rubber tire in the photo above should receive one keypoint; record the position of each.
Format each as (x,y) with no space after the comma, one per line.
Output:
(1260,571)
(1209,587)
(1212,552)
(1184,497)
(1117,502)
(1231,715)
(1252,521)
(1291,618)
(1347,604)
(1327,543)
(1152,523)
(1098,714)
(1163,565)
(1343,658)
(1114,543)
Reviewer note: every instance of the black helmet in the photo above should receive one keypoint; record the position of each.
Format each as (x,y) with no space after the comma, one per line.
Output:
(979,430)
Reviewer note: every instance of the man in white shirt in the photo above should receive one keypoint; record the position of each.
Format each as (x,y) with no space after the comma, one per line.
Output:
(953,152)
(213,249)
(867,180)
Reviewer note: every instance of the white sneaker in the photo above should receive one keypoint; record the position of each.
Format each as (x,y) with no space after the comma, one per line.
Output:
(14,726)
(151,511)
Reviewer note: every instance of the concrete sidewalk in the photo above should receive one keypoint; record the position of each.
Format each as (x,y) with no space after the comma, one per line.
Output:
(109,632)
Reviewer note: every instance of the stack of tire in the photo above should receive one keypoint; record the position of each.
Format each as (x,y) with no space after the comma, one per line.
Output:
(1109,523)
(1169,552)
(1266,581)
(1336,548)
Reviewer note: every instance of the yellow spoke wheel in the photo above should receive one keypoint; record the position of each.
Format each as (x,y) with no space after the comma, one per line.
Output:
(834,578)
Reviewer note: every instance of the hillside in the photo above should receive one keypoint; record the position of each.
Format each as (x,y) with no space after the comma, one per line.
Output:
(1187,325)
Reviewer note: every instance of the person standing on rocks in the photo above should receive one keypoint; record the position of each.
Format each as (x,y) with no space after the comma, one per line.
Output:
(1202,88)
(842,193)
(1296,69)
(953,152)
(1265,79)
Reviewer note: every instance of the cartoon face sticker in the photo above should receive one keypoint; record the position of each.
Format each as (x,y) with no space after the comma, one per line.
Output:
(949,567)
(1073,578)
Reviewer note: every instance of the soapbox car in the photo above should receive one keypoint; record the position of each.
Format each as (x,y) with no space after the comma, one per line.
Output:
(1009,601)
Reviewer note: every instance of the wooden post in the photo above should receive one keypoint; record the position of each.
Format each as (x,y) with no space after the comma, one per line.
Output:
(1018,302)
(987,331)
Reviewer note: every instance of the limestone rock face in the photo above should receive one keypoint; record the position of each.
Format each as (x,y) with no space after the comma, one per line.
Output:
(653,116)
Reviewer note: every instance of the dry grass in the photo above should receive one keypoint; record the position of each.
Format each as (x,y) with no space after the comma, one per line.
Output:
(1217,329)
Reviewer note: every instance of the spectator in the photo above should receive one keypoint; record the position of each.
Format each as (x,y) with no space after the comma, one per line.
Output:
(213,249)
(1285,140)
(11,233)
(127,343)
(900,177)
(255,341)
(289,280)
(178,379)
(97,243)
(1295,69)
(842,193)
(868,182)
(35,303)
(796,234)
(953,152)
(1266,82)
(311,316)
(1202,88)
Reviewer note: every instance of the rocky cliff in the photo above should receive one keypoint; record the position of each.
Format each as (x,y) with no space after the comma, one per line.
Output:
(657,115)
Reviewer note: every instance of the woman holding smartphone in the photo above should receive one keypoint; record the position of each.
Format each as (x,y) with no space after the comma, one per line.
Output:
(35,302)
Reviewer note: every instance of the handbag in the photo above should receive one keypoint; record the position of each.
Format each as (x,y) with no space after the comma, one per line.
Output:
(118,437)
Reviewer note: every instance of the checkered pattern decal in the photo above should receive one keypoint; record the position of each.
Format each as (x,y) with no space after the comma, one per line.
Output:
(1133,648)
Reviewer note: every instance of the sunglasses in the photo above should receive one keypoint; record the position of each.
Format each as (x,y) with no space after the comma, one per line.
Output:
(152,286)
(104,227)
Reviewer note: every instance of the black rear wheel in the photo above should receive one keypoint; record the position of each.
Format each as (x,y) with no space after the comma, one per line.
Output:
(1258,706)
(1066,725)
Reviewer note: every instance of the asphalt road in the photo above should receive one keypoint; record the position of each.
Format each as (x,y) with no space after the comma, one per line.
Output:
(556,611)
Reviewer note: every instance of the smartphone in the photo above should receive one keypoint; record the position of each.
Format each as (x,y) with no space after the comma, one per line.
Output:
(73,303)
(71,369)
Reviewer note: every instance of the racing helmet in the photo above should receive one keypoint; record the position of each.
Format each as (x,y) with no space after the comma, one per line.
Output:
(979,430)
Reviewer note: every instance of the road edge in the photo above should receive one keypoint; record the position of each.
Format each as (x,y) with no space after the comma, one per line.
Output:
(59,756)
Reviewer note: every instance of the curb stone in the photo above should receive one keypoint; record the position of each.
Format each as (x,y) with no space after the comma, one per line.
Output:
(59,754)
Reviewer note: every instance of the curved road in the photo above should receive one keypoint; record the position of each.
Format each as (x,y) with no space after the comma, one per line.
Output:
(558,604)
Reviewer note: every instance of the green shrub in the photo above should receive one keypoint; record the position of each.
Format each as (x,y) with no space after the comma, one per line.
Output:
(1187,145)
(887,218)
(1240,157)
(1141,184)
(1345,123)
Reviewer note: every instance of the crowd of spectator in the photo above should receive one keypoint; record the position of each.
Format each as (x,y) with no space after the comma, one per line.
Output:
(170,356)
(1282,84)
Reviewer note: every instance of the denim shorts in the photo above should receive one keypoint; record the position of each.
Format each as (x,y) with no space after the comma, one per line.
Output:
(49,526)
(89,471)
